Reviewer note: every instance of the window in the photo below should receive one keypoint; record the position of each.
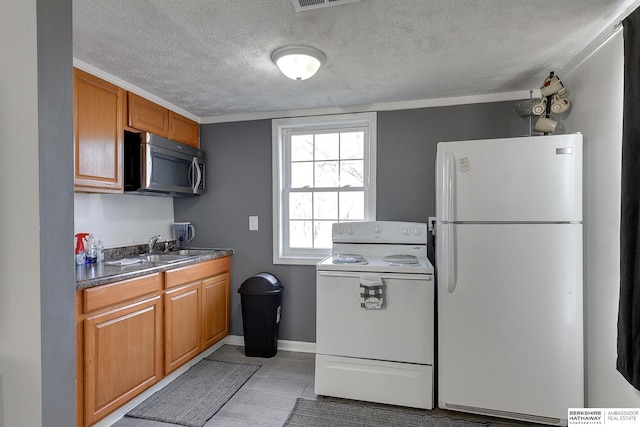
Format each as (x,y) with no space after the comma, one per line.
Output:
(323,172)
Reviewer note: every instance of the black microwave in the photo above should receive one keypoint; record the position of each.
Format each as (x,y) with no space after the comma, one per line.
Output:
(155,165)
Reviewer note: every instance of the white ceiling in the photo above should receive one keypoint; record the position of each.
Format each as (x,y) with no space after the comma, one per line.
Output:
(212,58)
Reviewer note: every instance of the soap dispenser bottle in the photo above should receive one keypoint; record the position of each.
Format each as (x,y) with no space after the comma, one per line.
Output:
(92,252)
(80,252)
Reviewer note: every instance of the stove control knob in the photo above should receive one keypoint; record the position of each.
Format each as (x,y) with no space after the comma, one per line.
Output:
(339,231)
(417,231)
(377,228)
(406,231)
(350,230)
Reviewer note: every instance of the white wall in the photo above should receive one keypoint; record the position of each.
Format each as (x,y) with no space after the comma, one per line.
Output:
(20,345)
(123,219)
(596,91)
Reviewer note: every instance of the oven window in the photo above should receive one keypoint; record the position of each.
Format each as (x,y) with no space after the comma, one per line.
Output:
(324,172)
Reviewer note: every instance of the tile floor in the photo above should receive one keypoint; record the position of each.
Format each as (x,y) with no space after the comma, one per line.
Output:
(270,394)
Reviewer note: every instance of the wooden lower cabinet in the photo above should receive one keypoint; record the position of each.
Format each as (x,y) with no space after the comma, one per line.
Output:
(182,325)
(196,310)
(123,355)
(131,334)
(119,338)
(215,309)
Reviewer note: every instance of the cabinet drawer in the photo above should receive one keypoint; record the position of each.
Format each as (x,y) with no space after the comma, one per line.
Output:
(183,275)
(114,293)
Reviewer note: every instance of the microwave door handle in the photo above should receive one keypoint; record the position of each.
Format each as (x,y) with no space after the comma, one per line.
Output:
(196,168)
(191,174)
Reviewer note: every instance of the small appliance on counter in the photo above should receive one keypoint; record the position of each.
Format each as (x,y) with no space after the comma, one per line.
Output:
(183,233)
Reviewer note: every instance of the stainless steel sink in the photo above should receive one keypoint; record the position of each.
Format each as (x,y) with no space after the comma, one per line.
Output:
(163,258)
(192,252)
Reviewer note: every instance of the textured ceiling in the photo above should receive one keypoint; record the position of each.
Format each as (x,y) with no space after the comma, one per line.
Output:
(213,57)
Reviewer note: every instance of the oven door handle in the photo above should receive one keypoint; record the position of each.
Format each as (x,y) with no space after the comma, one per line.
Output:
(409,276)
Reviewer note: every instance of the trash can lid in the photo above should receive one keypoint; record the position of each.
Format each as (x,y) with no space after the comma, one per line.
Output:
(261,284)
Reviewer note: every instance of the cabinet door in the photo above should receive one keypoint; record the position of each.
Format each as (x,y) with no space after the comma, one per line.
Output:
(182,325)
(123,355)
(184,130)
(215,309)
(98,134)
(147,116)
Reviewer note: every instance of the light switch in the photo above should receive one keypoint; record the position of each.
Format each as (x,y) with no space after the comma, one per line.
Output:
(253,222)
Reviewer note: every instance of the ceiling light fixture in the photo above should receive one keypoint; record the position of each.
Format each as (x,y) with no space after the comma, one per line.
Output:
(298,62)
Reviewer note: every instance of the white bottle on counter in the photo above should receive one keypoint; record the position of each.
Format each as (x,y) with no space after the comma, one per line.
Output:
(100,250)
(92,252)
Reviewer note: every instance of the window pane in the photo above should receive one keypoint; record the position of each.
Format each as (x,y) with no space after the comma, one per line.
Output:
(352,145)
(301,147)
(327,146)
(325,205)
(352,205)
(300,234)
(327,174)
(320,177)
(300,206)
(302,174)
(351,173)
(322,234)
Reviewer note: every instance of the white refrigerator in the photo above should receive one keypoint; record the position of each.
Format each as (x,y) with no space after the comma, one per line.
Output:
(509,274)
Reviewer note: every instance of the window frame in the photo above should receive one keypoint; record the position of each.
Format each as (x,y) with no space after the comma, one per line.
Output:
(281,130)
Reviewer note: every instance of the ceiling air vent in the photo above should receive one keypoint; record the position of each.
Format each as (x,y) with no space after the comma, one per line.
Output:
(301,5)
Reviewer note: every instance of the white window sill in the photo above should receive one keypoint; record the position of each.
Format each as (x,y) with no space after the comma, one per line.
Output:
(298,260)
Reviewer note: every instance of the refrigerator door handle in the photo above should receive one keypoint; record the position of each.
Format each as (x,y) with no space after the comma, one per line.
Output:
(451,259)
(448,187)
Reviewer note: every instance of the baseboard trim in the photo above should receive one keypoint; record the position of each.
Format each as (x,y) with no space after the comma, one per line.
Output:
(299,346)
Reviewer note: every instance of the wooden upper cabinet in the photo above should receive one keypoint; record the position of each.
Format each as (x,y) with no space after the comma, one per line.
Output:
(150,117)
(147,116)
(184,130)
(98,134)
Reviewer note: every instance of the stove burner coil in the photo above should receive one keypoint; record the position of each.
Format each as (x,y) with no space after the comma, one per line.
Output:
(338,258)
(401,259)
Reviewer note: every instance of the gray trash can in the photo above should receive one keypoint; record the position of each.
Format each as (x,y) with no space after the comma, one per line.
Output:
(261,299)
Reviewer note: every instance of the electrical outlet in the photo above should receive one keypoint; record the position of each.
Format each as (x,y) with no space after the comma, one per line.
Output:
(431,223)
(253,223)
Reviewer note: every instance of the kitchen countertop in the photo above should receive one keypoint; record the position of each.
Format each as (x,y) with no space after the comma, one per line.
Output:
(91,275)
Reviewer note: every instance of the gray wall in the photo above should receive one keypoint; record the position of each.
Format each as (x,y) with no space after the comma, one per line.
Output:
(37,328)
(57,277)
(599,117)
(239,184)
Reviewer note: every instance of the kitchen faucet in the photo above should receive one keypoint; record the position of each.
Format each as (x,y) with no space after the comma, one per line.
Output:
(152,242)
(168,247)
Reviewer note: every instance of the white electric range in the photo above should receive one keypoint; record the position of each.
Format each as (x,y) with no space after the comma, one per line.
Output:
(375,315)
